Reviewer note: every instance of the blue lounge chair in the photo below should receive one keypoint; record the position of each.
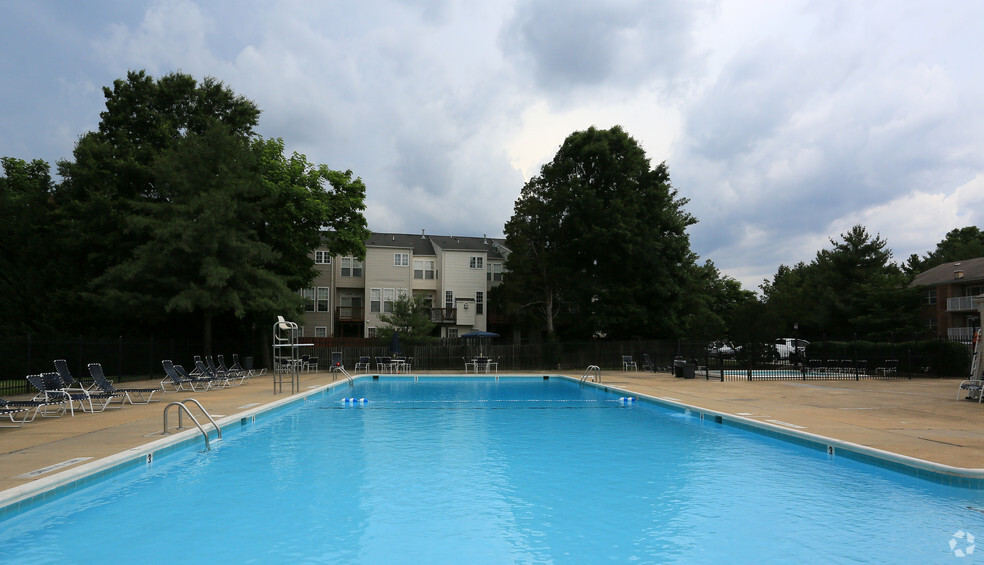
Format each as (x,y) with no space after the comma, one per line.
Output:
(210,371)
(106,386)
(12,408)
(183,381)
(51,388)
(61,367)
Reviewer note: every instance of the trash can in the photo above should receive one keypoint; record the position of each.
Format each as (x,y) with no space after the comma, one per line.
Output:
(678,367)
(689,370)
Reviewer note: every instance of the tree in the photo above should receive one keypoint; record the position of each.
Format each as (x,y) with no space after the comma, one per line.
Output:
(201,252)
(852,289)
(27,258)
(113,173)
(410,317)
(309,202)
(958,245)
(174,209)
(598,240)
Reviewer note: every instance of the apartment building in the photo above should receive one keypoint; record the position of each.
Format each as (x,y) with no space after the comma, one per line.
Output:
(453,274)
(947,297)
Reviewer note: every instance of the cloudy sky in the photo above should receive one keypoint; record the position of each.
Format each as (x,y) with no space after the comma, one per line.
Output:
(783,122)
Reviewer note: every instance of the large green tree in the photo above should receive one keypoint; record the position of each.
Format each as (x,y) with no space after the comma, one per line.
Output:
(175,211)
(958,245)
(113,173)
(28,262)
(853,289)
(598,240)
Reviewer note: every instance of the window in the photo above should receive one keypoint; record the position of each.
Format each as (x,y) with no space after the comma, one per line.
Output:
(322,299)
(308,295)
(929,297)
(477,262)
(351,267)
(452,332)
(480,302)
(375,298)
(371,331)
(322,258)
(495,272)
(423,269)
(974,291)
(320,331)
(389,295)
(401,259)
(449,299)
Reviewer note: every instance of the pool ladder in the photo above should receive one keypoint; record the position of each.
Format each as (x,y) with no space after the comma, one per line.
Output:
(593,372)
(182,406)
(342,370)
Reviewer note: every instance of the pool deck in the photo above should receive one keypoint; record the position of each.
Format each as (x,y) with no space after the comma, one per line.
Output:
(915,418)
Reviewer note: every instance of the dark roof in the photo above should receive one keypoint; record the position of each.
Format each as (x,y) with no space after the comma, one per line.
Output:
(493,246)
(419,244)
(423,245)
(973,270)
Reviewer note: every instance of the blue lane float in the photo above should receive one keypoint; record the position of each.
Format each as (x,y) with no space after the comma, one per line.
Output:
(354,401)
(627,399)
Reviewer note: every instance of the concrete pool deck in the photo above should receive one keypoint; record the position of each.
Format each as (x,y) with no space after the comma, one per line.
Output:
(918,418)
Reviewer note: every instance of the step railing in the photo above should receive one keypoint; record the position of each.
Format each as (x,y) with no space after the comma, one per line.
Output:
(593,372)
(182,407)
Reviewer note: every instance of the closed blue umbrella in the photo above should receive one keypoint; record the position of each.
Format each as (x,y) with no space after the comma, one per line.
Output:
(395,344)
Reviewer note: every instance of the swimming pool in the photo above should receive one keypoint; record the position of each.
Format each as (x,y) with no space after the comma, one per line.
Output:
(481,470)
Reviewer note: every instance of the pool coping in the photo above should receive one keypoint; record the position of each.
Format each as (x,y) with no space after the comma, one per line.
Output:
(964,477)
(22,498)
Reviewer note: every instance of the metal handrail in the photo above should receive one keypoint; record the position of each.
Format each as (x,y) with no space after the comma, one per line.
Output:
(208,445)
(593,372)
(342,370)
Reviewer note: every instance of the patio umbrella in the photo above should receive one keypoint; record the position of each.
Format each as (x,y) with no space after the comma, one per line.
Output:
(479,334)
(395,344)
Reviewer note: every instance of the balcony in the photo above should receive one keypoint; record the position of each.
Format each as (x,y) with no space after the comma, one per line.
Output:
(444,315)
(350,314)
(960,334)
(960,304)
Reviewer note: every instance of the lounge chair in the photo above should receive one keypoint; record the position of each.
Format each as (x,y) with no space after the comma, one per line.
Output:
(61,367)
(12,411)
(231,373)
(647,363)
(51,388)
(628,363)
(248,365)
(362,363)
(889,367)
(106,386)
(181,381)
(211,372)
(238,369)
(11,408)
(974,388)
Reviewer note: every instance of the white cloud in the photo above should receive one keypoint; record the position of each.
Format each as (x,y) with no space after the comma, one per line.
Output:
(783,123)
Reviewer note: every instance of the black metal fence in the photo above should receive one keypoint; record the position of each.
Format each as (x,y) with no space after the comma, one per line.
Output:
(128,358)
(122,358)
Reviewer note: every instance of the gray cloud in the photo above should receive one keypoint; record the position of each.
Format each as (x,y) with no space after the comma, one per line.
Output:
(782,123)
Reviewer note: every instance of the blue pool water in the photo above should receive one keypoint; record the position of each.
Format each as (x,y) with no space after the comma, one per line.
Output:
(498,471)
